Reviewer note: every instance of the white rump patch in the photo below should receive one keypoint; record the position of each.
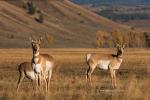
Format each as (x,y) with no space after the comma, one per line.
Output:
(103,64)
(31,75)
(88,57)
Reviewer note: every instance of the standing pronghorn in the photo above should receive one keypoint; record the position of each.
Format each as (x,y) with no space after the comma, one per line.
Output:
(107,62)
(42,64)
(25,70)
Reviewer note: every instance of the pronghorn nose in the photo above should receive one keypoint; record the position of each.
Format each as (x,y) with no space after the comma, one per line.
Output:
(35,48)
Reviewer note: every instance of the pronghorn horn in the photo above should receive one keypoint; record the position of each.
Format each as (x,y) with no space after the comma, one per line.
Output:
(41,38)
(31,39)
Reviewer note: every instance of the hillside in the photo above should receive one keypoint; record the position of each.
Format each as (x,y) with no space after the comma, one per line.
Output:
(69,24)
(127,15)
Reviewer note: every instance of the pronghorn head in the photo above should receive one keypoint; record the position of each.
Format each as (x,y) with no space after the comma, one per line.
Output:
(120,49)
(36,44)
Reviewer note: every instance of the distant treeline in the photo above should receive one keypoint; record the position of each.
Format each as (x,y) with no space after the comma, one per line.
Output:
(132,38)
(124,17)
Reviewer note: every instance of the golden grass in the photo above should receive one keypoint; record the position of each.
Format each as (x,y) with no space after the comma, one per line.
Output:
(68,79)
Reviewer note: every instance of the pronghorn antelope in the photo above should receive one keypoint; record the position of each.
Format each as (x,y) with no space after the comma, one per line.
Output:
(106,62)
(42,64)
(25,70)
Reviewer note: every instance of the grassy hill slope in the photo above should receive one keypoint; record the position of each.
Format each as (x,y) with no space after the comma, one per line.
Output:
(69,24)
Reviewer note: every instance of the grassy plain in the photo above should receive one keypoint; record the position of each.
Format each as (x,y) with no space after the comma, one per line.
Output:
(68,78)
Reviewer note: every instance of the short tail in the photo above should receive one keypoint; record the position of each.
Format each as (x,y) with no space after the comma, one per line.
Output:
(18,66)
(88,57)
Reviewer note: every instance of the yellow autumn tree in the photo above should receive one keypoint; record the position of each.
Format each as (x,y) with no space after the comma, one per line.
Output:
(49,38)
(136,39)
(100,38)
(117,37)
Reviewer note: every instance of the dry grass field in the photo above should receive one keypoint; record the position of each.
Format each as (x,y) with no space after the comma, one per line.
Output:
(68,78)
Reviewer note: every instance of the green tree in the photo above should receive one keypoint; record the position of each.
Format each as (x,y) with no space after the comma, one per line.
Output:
(40,17)
(31,7)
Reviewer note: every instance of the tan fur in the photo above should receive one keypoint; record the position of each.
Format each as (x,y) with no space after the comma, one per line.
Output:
(42,60)
(23,69)
(114,62)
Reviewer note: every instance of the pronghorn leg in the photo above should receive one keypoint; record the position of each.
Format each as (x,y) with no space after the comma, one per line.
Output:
(40,81)
(45,83)
(114,75)
(90,71)
(33,81)
(87,73)
(49,78)
(36,81)
(21,77)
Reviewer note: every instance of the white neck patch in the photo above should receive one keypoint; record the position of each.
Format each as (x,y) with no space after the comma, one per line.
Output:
(36,54)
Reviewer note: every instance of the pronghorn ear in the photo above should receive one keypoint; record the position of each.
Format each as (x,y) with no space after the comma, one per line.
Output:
(40,39)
